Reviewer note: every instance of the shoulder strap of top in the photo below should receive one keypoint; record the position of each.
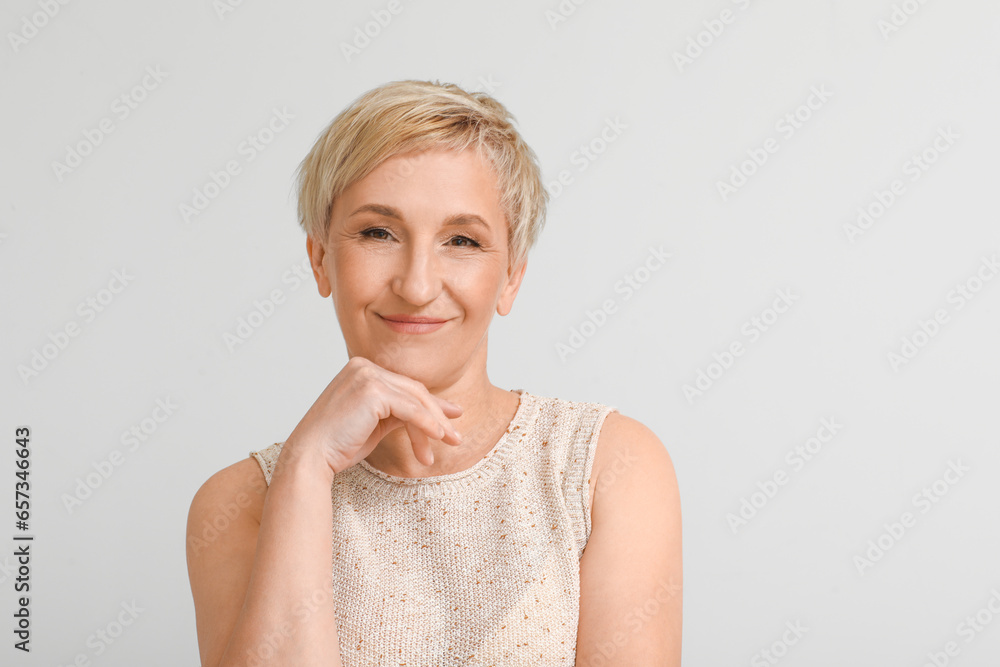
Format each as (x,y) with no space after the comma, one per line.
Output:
(580,467)
(267,458)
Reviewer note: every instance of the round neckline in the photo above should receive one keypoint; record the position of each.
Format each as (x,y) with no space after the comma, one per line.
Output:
(480,472)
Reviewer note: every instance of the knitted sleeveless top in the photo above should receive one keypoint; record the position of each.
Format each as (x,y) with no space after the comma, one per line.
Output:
(475,568)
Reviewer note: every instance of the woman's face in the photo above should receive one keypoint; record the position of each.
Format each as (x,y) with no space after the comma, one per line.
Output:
(422,236)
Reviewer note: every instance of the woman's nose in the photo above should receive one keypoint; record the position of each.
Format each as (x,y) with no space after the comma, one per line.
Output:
(417,278)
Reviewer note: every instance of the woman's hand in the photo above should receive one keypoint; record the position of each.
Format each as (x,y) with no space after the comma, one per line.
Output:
(362,404)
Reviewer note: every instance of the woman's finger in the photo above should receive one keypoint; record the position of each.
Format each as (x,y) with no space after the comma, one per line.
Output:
(442,409)
(421,446)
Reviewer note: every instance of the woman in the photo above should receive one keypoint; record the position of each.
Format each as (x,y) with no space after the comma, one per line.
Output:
(469,525)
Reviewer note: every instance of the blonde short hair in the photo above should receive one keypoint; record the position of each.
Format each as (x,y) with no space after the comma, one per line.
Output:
(405,116)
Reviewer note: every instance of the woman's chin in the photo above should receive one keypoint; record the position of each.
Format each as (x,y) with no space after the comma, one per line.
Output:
(415,365)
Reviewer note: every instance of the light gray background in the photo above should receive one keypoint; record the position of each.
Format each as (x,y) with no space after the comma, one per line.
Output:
(162,337)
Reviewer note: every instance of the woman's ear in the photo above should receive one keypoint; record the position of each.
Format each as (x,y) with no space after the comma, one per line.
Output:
(509,291)
(316,253)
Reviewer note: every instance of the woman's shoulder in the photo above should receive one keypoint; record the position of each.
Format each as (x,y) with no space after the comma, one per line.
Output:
(627,449)
(234,491)
(622,433)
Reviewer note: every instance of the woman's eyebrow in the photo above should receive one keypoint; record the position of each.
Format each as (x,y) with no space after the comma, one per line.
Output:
(390,212)
(380,209)
(465,219)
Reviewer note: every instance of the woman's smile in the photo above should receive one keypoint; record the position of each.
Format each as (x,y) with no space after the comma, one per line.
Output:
(408,324)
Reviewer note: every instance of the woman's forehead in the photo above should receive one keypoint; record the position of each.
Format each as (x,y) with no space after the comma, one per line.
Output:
(458,186)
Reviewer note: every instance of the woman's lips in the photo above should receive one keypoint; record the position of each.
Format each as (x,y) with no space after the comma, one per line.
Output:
(411,324)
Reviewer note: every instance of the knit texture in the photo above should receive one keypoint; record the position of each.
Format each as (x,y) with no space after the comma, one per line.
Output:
(476,568)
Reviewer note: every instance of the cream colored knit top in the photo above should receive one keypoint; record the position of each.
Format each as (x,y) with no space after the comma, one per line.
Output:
(475,568)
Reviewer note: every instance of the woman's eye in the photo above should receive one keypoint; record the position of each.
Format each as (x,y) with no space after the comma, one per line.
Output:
(469,243)
(373,232)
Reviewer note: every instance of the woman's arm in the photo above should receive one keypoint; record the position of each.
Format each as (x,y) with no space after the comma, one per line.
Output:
(630,571)
(264,590)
